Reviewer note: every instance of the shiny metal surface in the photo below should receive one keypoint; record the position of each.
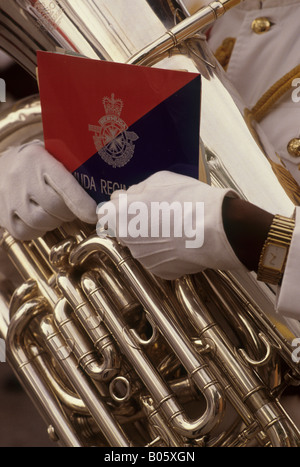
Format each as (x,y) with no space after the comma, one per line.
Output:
(96,29)
(109,354)
(246,382)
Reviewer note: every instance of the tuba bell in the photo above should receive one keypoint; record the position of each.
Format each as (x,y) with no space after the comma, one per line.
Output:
(110,355)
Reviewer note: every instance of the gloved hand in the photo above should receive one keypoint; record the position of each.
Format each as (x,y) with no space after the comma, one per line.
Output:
(187,238)
(37,194)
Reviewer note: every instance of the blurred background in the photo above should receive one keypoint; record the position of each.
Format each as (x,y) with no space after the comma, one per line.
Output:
(19,83)
(20,423)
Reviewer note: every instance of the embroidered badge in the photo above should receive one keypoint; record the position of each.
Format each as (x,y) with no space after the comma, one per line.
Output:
(112,139)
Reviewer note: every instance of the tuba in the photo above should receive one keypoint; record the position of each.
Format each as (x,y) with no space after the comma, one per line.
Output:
(110,355)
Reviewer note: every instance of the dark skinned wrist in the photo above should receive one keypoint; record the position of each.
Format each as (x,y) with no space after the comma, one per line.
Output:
(246,227)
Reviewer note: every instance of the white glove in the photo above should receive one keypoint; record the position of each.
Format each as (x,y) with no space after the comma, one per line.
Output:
(191,240)
(37,194)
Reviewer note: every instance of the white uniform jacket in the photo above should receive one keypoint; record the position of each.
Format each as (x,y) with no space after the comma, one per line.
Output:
(258,60)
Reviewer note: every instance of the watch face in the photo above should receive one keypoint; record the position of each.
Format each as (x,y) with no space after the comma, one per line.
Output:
(274,256)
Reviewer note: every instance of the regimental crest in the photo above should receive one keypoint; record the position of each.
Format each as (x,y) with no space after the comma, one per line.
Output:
(112,139)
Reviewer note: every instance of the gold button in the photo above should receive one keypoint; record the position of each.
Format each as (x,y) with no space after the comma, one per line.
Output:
(261,25)
(294,147)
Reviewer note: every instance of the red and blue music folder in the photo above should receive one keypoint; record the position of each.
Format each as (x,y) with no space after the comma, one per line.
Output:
(112,125)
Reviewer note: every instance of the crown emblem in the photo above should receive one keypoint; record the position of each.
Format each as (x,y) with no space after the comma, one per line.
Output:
(113,106)
(113,141)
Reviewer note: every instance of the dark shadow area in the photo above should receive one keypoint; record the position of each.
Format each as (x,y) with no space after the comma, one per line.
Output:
(20,423)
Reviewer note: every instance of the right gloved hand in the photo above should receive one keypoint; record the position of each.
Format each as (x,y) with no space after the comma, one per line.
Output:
(37,193)
(160,220)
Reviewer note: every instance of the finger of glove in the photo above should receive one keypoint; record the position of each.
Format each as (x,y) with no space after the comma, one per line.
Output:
(116,194)
(36,217)
(107,219)
(163,260)
(45,196)
(32,222)
(157,180)
(163,179)
(165,187)
(172,268)
(74,196)
(14,151)
(22,231)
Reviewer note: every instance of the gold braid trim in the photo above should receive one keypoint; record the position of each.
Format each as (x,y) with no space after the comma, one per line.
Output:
(275,92)
(224,52)
(258,112)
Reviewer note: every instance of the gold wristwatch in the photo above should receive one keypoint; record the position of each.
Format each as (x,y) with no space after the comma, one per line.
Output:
(275,250)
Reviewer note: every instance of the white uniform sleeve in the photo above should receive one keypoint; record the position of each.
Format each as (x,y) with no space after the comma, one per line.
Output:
(288,299)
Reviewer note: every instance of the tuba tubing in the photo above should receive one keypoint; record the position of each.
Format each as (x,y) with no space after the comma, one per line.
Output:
(30,378)
(86,390)
(161,317)
(253,392)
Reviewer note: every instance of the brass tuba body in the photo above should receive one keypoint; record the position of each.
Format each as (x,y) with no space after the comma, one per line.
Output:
(110,355)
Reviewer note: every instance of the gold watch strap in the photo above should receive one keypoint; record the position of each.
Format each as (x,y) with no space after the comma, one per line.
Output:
(280,235)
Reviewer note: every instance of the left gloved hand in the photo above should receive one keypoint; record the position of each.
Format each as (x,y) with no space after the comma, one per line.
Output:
(38,194)
(187,238)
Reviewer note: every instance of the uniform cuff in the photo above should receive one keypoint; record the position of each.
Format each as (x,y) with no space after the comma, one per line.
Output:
(288,297)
